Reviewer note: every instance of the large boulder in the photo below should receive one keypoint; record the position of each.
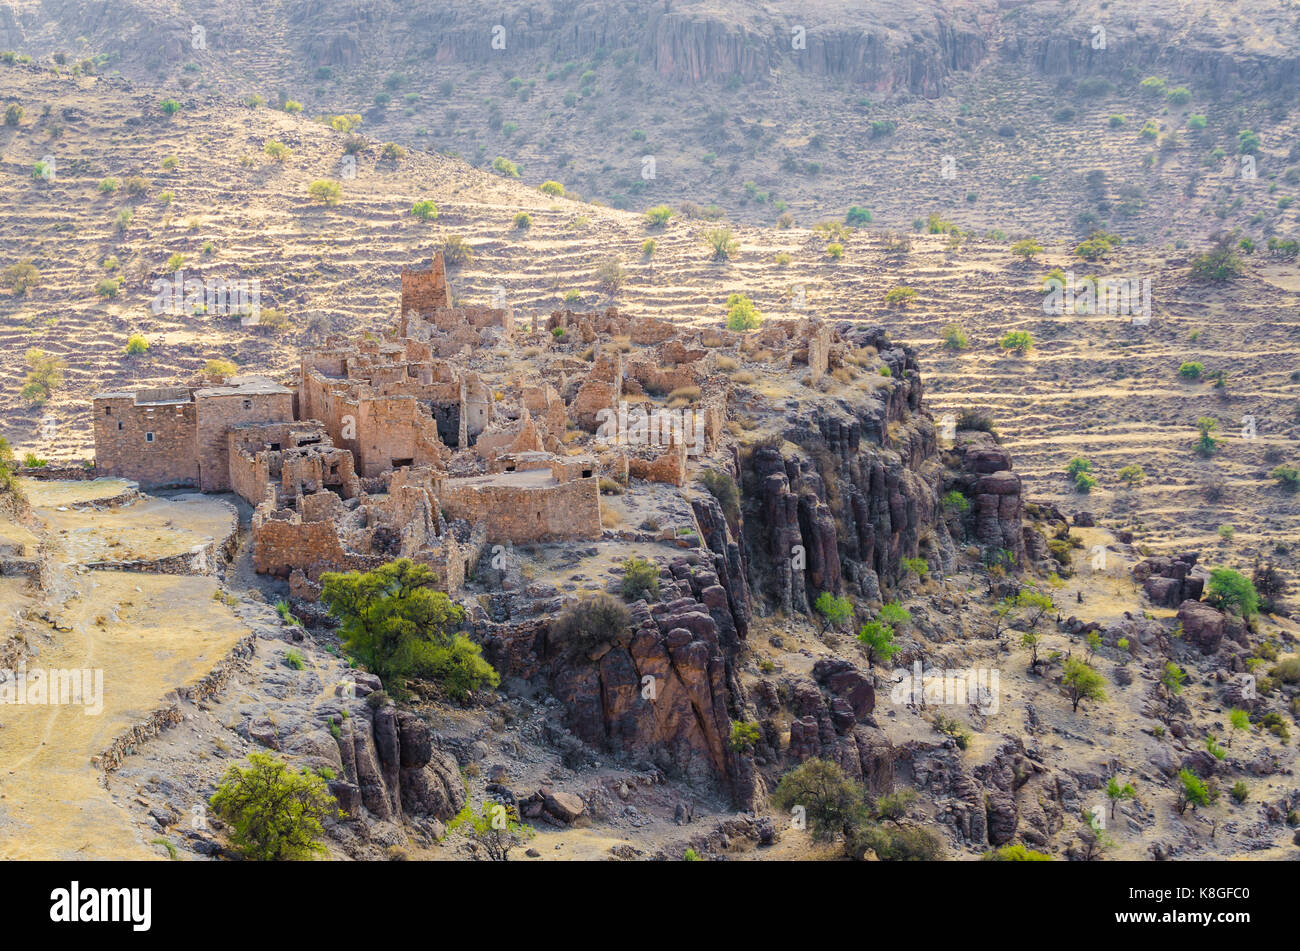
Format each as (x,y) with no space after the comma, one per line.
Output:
(1202,625)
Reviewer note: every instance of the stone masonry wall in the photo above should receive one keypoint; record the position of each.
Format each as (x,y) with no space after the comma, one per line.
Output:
(560,511)
(216,414)
(123,447)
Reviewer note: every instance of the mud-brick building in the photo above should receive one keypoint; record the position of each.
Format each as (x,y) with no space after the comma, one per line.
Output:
(177,436)
(149,436)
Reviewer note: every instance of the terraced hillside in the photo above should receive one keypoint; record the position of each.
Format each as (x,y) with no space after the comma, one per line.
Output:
(1096,386)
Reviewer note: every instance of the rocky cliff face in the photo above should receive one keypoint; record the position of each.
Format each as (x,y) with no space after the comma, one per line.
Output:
(664,694)
(850,492)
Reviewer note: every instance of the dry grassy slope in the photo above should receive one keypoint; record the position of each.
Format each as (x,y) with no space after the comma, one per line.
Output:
(861,66)
(1093,386)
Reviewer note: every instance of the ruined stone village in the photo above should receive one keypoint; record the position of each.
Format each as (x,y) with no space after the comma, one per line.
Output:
(467,432)
(398,448)
(524,459)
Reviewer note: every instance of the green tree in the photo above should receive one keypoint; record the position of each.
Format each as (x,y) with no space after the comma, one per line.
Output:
(44,376)
(878,639)
(1221,262)
(832,802)
(1027,249)
(1240,720)
(325,192)
(1033,641)
(395,623)
(834,610)
(1081,682)
(742,314)
(1192,791)
(1115,791)
(1036,605)
(496,827)
(894,614)
(1230,590)
(272,812)
(1206,444)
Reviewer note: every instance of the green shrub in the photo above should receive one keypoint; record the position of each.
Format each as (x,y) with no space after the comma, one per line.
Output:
(744,736)
(1288,477)
(742,315)
(1021,341)
(658,216)
(899,296)
(1015,852)
(425,210)
(640,579)
(506,167)
(136,344)
(271,812)
(523,221)
(326,192)
(954,337)
(954,501)
(552,188)
(722,242)
(169,107)
(589,623)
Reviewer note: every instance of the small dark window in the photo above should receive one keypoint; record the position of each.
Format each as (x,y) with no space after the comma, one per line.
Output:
(148,437)
(119,425)
(108,411)
(248,404)
(586,473)
(275,447)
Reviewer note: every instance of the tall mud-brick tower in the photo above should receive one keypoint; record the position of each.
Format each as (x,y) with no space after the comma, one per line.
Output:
(425,290)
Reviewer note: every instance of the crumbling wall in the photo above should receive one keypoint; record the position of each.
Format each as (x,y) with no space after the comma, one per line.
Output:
(217,411)
(425,290)
(525,513)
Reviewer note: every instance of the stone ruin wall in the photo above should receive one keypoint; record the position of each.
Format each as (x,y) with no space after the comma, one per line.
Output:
(217,413)
(172,457)
(563,511)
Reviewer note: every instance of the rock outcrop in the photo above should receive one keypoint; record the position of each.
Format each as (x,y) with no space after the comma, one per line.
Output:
(1169,581)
